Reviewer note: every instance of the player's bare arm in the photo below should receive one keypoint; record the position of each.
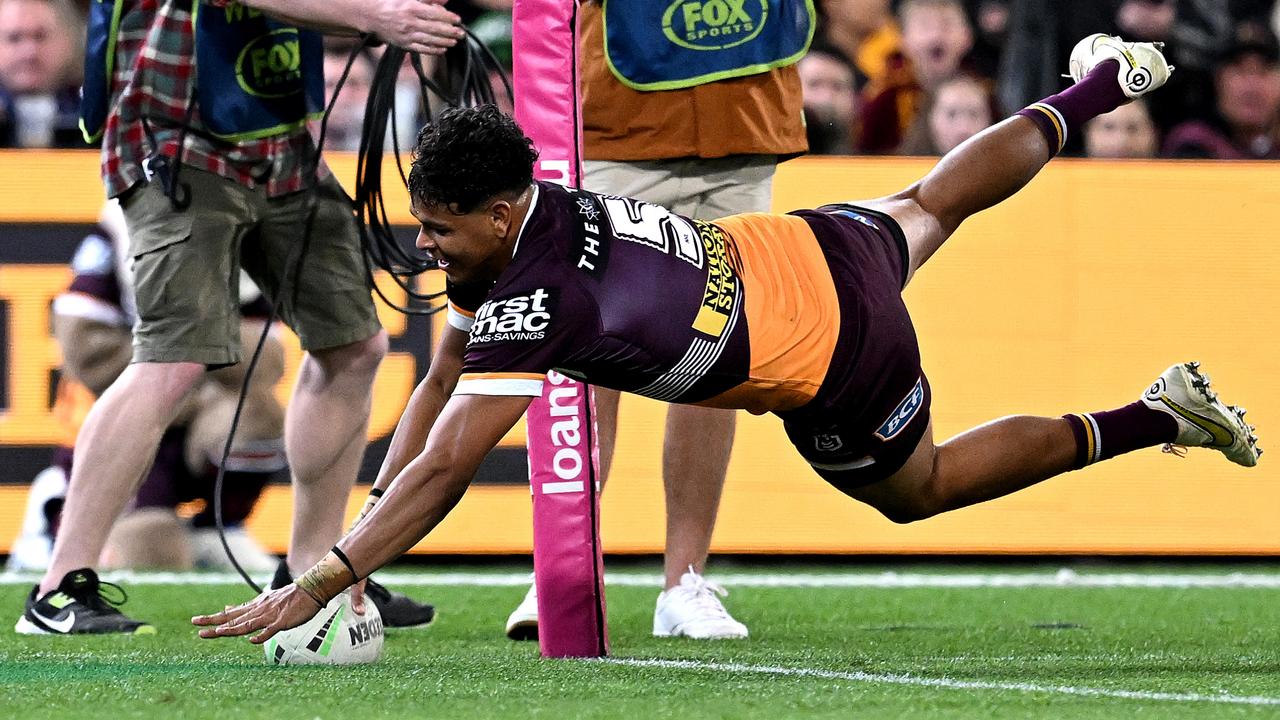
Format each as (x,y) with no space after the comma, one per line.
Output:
(424,406)
(416,501)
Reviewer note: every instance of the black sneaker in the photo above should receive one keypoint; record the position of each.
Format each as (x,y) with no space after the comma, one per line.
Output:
(78,606)
(397,609)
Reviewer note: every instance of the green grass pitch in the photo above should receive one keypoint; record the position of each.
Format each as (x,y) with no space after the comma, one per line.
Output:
(878,652)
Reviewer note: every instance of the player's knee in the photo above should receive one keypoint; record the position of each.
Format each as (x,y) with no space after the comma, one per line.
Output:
(165,384)
(919,500)
(909,510)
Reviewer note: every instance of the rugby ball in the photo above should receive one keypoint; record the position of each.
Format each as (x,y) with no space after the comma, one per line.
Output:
(335,636)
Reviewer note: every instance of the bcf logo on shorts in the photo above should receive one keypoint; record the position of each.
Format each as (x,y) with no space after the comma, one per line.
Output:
(903,414)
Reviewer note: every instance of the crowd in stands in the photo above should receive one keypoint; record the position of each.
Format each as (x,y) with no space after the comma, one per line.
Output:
(917,77)
(883,77)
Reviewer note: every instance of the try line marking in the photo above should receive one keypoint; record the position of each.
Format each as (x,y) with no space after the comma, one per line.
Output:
(1064,578)
(942,683)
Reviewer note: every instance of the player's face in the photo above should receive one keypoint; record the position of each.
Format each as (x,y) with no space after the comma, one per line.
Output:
(469,247)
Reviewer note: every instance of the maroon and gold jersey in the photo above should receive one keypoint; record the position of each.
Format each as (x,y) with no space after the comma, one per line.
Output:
(739,313)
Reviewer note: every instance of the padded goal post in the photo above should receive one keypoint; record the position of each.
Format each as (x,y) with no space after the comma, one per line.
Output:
(563,455)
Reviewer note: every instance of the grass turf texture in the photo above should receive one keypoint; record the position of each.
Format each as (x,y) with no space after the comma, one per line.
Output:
(1207,641)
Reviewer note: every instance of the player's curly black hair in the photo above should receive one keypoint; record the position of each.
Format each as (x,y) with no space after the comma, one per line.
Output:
(469,155)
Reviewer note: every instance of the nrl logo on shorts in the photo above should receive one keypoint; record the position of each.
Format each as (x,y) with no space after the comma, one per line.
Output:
(827,443)
(714,24)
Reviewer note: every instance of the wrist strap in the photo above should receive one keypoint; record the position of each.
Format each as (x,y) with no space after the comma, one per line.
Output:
(337,552)
(311,594)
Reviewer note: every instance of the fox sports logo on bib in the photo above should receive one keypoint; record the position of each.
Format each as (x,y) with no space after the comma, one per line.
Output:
(335,636)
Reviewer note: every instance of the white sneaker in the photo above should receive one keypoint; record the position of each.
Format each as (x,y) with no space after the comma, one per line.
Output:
(1203,421)
(522,624)
(692,609)
(207,552)
(1142,65)
(33,548)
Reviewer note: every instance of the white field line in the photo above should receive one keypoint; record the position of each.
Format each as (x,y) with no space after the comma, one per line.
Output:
(943,683)
(1064,578)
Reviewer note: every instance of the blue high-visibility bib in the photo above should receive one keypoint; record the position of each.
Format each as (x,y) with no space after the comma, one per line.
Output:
(672,44)
(255,76)
(99,65)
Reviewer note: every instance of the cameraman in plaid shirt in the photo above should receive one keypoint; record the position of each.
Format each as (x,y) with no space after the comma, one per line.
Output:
(202,109)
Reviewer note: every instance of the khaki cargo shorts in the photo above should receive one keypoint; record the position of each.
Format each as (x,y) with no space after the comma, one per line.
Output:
(702,189)
(187,263)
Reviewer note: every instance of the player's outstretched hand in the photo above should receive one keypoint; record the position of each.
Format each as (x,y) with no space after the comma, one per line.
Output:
(422,26)
(272,612)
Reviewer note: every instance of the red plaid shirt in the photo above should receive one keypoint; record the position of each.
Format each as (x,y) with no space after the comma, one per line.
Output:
(154,79)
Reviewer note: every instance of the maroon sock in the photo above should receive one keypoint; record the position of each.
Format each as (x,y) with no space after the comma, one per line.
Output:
(1060,116)
(1104,435)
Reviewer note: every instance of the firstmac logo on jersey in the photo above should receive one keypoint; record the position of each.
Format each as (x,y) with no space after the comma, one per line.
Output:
(521,317)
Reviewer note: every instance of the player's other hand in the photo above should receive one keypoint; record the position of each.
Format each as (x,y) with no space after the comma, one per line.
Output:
(357,596)
(272,612)
(422,26)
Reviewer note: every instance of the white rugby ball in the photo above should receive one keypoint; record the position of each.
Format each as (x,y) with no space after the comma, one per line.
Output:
(335,636)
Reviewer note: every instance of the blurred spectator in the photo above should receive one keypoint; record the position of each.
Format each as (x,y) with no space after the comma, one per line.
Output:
(469,10)
(866,34)
(958,109)
(1039,41)
(1042,34)
(1146,20)
(1126,132)
(347,119)
(830,101)
(1246,124)
(494,30)
(39,62)
(991,27)
(936,36)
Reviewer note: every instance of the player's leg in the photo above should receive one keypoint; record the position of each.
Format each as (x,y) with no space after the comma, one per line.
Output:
(606,404)
(181,259)
(695,460)
(257,454)
(114,449)
(327,303)
(698,441)
(325,300)
(996,163)
(325,427)
(1013,453)
(150,534)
